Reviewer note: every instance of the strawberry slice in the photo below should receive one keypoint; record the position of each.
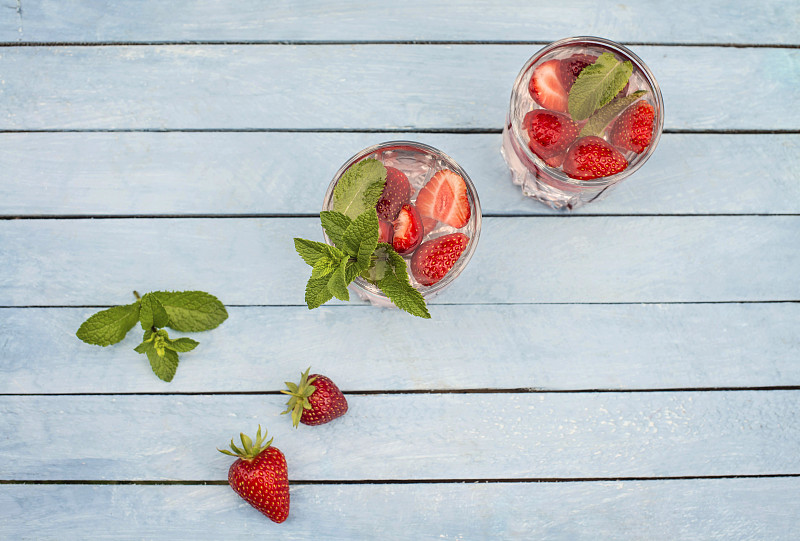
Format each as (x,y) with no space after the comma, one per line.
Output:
(633,129)
(408,230)
(592,157)
(550,134)
(429,224)
(396,191)
(572,67)
(385,231)
(546,87)
(444,198)
(434,258)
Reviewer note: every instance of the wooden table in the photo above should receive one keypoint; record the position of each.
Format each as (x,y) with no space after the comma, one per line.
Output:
(628,370)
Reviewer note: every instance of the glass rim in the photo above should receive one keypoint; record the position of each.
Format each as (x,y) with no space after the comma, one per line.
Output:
(475,217)
(639,160)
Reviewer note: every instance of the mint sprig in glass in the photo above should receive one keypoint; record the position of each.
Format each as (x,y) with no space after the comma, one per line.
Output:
(384,242)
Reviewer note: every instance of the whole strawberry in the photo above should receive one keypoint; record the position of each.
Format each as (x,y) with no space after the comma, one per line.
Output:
(434,258)
(396,192)
(259,476)
(591,157)
(634,127)
(550,134)
(315,404)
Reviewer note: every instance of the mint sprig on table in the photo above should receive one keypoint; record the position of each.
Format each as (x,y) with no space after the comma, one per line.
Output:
(183,311)
(352,226)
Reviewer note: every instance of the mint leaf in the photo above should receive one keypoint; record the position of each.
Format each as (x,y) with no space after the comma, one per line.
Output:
(351,271)
(361,238)
(396,285)
(377,268)
(359,188)
(325,266)
(152,313)
(317,292)
(597,123)
(163,363)
(311,251)
(597,84)
(192,311)
(181,345)
(109,326)
(337,284)
(335,224)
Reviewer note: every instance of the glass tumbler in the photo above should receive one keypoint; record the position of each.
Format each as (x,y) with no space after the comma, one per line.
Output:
(553,179)
(419,162)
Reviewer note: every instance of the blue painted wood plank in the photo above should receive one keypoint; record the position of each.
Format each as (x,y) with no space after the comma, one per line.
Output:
(358,87)
(655,510)
(261,173)
(418,436)
(713,21)
(518,260)
(463,347)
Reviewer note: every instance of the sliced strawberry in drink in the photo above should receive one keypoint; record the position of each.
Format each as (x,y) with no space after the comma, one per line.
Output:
(396,192)
(385,231)
(550,134)
(546,87)
(633,129)
(408,230)
(572,67)
(592,157)
(434,258)
(444,198)
(429,224)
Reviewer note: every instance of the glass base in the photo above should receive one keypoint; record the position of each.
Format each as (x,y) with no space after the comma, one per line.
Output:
(538,184)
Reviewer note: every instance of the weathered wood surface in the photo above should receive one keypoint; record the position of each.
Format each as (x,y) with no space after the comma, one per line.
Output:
(653,510)
(411,436)
(357,87)
(240,173)
(545,347)
(625,371)
(772,22)
(518,260)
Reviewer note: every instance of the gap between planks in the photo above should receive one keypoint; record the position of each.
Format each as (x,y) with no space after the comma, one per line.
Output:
(379,392)
(298,482)
(293,43)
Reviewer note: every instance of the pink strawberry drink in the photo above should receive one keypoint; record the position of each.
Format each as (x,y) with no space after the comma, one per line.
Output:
(429,213)
(585,113)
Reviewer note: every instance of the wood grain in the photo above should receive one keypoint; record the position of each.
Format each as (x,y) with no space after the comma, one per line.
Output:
(547,347)
(86,21)
(656,510)
(518,260)
(419,436)
(357,87)
(244,173)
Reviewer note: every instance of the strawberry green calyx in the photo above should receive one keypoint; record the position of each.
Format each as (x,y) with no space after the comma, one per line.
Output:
(299,394)
(250,449)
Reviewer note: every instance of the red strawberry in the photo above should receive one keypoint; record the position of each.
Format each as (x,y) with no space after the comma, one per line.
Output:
(428,224)
(592,157)
(434,258)
(315,404)
(634,127)
(385,231)
(546,87)
(260,477)
(550,134)
(572,67)
(444,198)
(408,230)
(396,191)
